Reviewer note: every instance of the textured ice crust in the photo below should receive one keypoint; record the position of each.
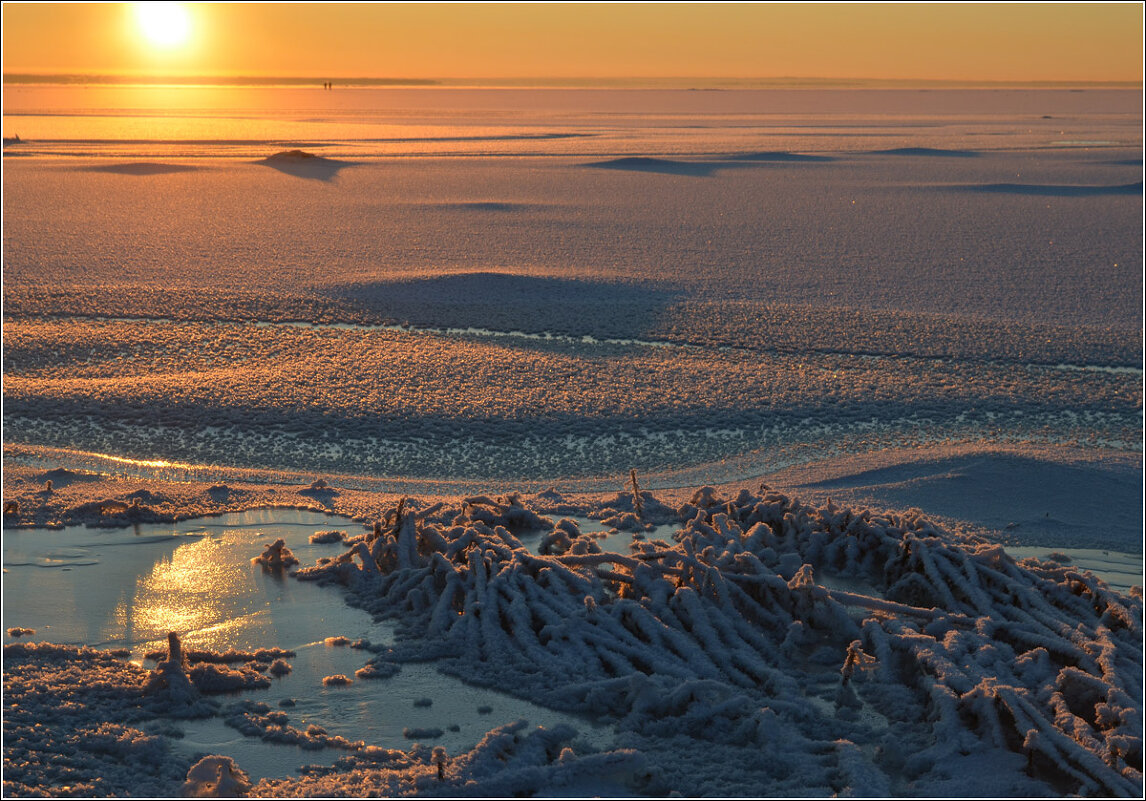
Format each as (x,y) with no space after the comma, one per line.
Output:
(84,722)
(504,318)
(430,405)
(943,653)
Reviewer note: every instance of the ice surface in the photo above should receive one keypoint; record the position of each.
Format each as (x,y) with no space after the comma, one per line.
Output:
(503,289)
(858,290)
(1022,499)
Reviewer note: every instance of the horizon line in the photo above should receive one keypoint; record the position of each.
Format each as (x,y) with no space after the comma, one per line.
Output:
(653,82)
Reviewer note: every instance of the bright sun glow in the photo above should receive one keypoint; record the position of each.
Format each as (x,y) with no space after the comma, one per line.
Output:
(163,25)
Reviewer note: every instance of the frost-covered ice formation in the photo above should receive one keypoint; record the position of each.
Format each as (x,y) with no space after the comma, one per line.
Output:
(276,557)
(183,674)
(321,537)
(377,669)
(170,675)
(280,667)
(216,777)
(81,721)
(768,647)
(509,761)
(73,723)
(256,719)
(864,653)
(77,723)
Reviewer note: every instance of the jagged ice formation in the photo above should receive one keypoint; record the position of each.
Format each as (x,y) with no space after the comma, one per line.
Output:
(875,651)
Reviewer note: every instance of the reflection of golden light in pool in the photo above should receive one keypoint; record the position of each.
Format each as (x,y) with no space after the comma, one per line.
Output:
(188,593)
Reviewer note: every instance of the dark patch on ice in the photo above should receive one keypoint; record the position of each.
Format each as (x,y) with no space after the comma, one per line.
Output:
(664,166)
(507,302)
(146,496)
(927,151)
(1057,190)
(323,494)
(782,156)
(60,477)
(492,205)
(1125,162)
(143,169)
(220,493)
(303,164)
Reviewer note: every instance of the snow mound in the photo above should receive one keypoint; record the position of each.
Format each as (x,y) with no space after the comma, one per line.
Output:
(62,477)
(216,777)
(276,557)
(303,164)
(292,157)
(378,668)
(323,537)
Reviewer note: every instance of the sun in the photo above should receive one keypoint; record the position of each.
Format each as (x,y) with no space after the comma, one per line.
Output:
(163,25)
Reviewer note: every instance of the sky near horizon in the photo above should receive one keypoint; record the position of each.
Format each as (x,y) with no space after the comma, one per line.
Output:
(954,42)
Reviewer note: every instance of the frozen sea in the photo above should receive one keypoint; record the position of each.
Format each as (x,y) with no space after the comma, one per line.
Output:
(537,285)
(892,299)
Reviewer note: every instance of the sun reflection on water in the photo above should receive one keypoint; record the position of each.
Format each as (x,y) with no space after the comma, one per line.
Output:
(195,593)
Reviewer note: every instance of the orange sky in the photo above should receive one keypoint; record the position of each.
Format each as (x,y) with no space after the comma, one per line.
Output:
(965,42)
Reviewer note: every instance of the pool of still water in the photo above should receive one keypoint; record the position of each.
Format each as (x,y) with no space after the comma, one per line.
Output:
(126,588)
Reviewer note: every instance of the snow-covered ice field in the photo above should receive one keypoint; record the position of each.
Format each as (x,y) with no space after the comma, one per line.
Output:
(909,322)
